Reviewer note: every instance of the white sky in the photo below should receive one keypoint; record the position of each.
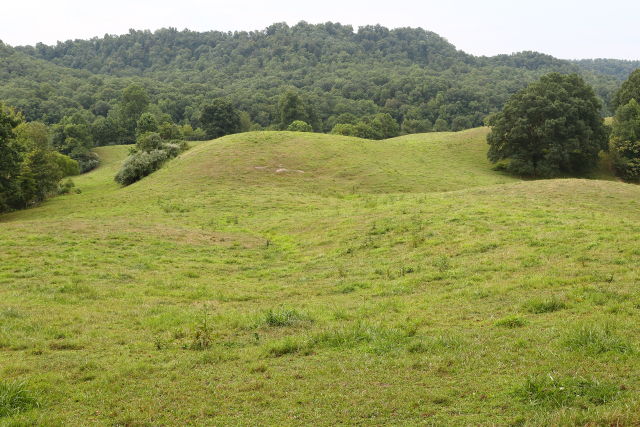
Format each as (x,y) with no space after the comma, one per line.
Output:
(563,28)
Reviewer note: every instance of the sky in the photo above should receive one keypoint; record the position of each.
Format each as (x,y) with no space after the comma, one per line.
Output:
(568,29)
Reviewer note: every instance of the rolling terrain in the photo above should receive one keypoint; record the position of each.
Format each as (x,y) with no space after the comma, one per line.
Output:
(289,278)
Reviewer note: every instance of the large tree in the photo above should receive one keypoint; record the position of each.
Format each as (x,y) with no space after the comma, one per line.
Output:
(220,118)
(625,141)
(629,90)
(551,127)
(9,157)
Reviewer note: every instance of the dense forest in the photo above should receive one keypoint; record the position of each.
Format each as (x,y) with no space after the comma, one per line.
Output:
(341,76)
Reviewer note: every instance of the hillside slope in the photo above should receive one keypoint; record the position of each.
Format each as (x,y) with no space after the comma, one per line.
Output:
(394,282)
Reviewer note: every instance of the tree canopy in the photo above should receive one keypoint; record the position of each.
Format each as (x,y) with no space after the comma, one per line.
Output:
(552,127)
(417,77)
(629,90)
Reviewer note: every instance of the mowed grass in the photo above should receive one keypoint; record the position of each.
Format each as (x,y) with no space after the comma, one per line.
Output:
(396,282)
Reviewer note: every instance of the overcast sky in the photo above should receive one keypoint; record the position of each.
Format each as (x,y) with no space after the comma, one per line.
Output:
(563,28)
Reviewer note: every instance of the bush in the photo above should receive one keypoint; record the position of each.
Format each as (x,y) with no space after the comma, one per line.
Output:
(344,129)
(299,126)
(66,165)
(141,164)
(149,141)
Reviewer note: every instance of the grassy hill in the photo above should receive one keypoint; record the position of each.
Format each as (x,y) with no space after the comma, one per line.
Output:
(375,282)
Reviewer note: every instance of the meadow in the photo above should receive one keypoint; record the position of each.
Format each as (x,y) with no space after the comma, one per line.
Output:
(278,278)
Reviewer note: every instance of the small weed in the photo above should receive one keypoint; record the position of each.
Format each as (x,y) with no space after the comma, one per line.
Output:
(202,335)
(15,398)
(511,322)
(550,392)
(597,339)
(442,263)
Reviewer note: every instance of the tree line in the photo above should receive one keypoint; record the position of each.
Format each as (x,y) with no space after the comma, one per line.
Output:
(343,76)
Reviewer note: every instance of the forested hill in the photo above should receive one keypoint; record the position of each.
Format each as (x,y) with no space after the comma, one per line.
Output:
(416,76)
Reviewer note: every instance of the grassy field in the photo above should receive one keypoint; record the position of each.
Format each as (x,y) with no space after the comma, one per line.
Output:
(293,279)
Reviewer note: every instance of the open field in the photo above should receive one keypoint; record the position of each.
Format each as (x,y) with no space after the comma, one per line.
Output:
(390,282)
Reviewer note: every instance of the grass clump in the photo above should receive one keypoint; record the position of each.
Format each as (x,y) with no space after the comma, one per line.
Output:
(434,344)
(15,398)
(511,322)
(283,317)
(550,392)
(548,305)
(373,338)
(597,339)
(288,345)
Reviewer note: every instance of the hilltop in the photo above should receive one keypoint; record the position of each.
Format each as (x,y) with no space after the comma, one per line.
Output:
(389,282)
(415,75)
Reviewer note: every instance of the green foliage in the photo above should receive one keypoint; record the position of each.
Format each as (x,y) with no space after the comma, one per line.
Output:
(146,123)
(150,153)
(9,156)
(139,165)
(299,126)
(629,90)
(379,126)
(625,141)
(149,141)
(440,125)
(29,168)
(416,126)
(551,127)
(169,131)
(220,118)
(408,73)
(293,107)
(73,137)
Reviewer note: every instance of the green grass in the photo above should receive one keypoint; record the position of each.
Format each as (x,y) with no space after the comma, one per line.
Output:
(396,282)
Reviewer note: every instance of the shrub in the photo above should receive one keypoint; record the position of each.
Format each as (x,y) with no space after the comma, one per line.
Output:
(299,126)
(139,165)
(141,162)
(149,141)
(345,129)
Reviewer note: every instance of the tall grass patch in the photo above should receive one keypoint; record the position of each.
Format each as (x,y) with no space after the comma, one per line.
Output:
(544,305)
(550,392)
(597,339)
(15,398)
